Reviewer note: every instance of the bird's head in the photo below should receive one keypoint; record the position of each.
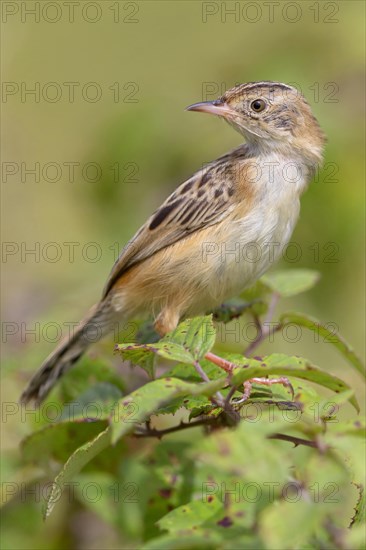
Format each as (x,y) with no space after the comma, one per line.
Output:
(272,115)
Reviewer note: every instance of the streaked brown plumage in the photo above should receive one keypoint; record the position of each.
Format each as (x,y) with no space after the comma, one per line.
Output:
(240,200)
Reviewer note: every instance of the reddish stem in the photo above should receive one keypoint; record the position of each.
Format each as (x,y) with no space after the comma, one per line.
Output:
(220,362)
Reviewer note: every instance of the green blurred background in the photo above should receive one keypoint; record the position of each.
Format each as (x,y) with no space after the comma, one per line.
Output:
(158,57)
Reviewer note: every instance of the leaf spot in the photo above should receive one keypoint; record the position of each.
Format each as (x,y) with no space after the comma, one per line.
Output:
(165,493)
(225,522)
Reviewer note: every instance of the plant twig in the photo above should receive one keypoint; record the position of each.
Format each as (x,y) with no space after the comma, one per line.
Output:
(336,535)
(152,432)
(218,399)
(201,372)
(295,440)
(264,329)
(230,394)
(220,362)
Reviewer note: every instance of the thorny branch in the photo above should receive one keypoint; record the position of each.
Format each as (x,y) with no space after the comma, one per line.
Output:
(152,432)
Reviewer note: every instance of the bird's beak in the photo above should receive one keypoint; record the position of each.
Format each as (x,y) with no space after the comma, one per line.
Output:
(216,107)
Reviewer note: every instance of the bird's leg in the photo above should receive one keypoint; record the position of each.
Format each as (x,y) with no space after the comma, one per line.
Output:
(166,321)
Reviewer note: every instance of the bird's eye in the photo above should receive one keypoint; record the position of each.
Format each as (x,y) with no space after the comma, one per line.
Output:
(258,105)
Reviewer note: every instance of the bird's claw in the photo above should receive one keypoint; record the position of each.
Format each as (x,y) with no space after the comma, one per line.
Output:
(247,386)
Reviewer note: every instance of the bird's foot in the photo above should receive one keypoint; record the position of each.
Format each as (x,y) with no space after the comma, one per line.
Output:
(265,382)
(229,367)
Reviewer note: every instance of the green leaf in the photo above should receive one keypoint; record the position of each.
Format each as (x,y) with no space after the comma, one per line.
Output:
(190,515)
(232,309)
(360,508)
(218,513)
(198,402)
(281,364)
(356,537)
(101,499)
(325,482)
(142,355)
(96,403)
(329,408)
(56,442)
(146,333)
(349,427)
(188,343)
(142,403)
(196,335)
(258,291)
(75,463)
(291,282)
(189,374)
(137,498)
(289,524)
(197,540)
(328,334)
(351,449)
(244,453)
(86,373)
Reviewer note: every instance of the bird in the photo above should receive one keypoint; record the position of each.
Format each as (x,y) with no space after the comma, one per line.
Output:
(217,232)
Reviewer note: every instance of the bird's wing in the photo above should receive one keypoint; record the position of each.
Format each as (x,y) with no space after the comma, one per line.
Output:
(203,200)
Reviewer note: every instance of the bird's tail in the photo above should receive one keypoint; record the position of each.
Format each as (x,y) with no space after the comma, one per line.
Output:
(93,327)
